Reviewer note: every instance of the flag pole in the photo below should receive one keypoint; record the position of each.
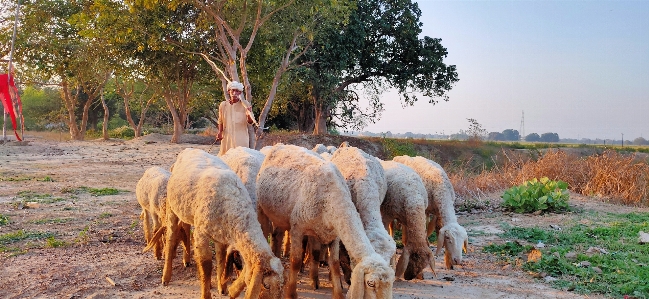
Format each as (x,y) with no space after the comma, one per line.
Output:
(9,66)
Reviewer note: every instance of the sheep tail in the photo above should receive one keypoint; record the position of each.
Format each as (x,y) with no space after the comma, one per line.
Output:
(158,234)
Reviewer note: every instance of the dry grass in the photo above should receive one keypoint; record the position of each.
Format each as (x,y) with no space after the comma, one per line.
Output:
(619,177)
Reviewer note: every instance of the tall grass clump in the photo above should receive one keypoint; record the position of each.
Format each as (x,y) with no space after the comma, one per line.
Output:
(616,176)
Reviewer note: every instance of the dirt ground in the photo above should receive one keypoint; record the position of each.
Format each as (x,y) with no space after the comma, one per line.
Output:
(99,238)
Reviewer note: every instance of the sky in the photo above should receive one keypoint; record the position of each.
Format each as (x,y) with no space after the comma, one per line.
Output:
(576,68)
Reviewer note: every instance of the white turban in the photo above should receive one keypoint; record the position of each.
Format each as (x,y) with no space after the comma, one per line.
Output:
(235,85)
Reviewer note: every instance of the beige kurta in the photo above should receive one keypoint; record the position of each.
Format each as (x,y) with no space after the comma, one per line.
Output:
(235,126)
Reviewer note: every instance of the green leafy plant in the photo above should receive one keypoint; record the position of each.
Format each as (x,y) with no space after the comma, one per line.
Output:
(4,220)
(602,256)
(537,195)
(54,243)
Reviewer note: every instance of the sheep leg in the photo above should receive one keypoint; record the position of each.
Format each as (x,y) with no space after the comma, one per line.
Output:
(203,257)
(185,237)
(315,248)
(157,249)
(172,234)
(296,256)
(286,246)
(402,263)
(146,225)
(276,241)
(431,226)
(334,269)
(221,276)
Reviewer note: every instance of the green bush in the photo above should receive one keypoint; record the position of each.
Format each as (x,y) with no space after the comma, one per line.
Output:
(394,147)
(123,132)
(537,195)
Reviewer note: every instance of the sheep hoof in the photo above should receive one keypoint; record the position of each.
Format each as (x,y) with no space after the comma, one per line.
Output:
(186,264)
(165,283)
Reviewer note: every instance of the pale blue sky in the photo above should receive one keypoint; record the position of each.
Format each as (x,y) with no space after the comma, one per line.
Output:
(577,68)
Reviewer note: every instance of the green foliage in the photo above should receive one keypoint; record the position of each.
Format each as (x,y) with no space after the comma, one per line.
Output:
(105,215)
(4,220)
(537,195)
(398,147)
(32,196)
(51,221)
(93,191)
(123,132)
(623,262)
(20,235)
(509,249)
(54,243)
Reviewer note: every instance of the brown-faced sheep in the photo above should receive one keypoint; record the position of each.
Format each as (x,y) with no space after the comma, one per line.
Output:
(441,199)
(301,192)
(204,192)
(406,201)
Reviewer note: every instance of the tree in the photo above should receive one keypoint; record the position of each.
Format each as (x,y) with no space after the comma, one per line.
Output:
(378,48)
(475,131)
(50,50)
(640,141)
(233,27)
(532,137)
(496,136)
(511,135)
(550,137)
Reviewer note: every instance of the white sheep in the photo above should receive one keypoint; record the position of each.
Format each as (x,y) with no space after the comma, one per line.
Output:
(441,198)
(151,194)
(366,181)
(320,148)
(204,192)
(301,192)
(406,201)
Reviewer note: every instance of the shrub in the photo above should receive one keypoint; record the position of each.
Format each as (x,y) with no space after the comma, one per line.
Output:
(537,195)
(123,132)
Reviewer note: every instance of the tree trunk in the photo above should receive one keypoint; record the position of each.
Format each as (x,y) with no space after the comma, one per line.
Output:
(69,101)
(104,128)
(322,113)
(178,122)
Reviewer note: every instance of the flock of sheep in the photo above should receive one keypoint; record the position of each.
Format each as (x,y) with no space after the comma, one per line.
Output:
(312,200)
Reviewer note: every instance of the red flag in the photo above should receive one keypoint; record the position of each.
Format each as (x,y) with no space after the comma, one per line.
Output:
(9,103)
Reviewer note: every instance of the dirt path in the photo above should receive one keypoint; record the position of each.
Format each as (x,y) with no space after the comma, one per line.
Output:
(102,235)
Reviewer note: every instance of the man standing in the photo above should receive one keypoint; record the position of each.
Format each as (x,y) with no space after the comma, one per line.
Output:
(235,113)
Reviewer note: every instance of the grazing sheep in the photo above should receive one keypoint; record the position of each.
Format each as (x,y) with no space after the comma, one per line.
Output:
(205,193)
(366,181)
(441,198)
(332,149)
(151,194)
(301,192)
(406,201)
(320,148)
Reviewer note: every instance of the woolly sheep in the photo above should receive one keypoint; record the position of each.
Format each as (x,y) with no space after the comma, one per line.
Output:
(320,148)
(366,181)
(441,197)
(406,201)
(151,194)
(307,195)
(204,192)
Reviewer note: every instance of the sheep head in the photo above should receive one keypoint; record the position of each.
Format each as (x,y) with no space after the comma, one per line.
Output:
(454,239)
(418,259)
(267,280)
(372,278)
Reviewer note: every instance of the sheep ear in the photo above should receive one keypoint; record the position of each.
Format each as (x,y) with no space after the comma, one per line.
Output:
(254,286)
(357,288)
(466,245)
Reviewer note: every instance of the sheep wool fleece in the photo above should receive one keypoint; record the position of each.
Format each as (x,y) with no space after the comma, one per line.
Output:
(235,125)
